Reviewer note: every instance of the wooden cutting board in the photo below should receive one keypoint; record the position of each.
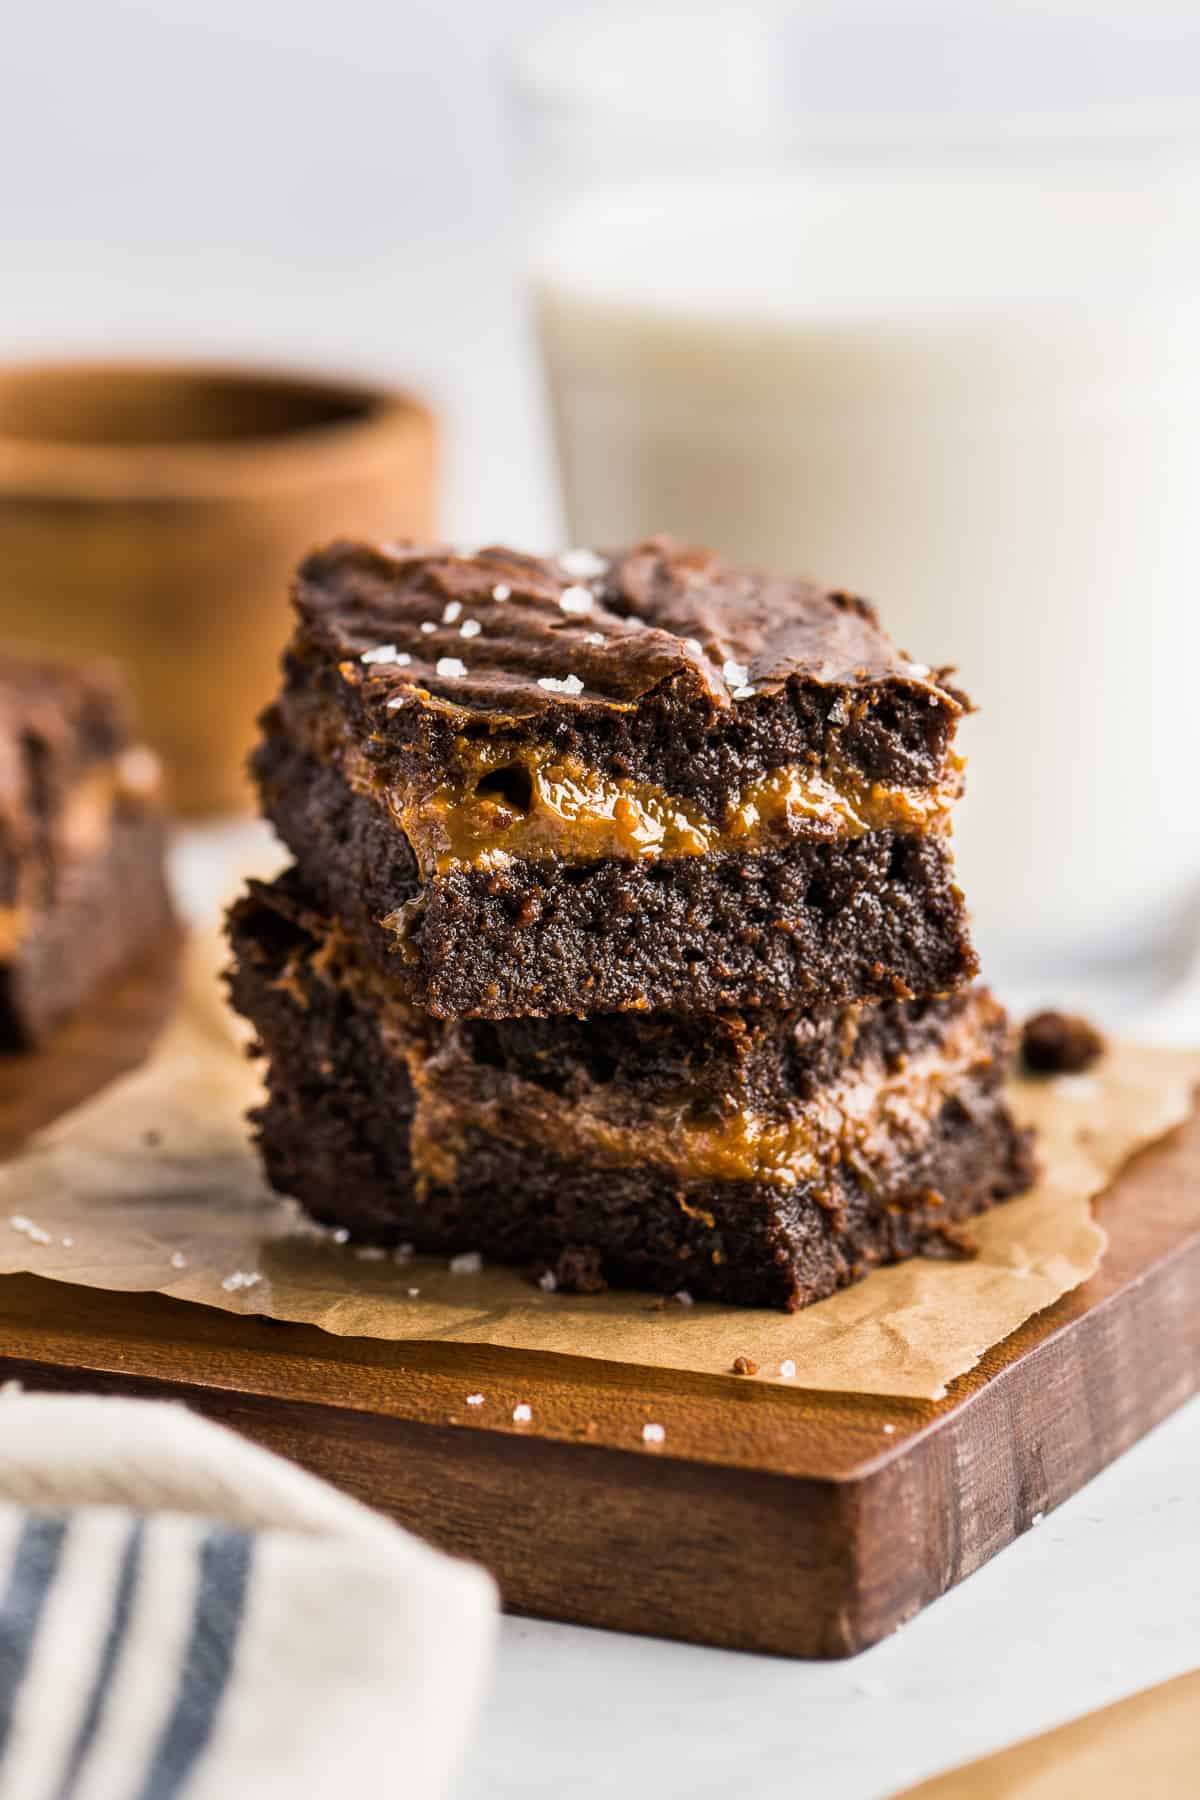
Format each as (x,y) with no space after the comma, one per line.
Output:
(771,1519)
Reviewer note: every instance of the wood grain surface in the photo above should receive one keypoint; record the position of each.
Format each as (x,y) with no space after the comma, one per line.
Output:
(795,1522)
(156,511)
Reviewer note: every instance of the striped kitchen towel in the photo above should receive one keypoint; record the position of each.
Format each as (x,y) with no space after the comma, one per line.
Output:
(186,1617)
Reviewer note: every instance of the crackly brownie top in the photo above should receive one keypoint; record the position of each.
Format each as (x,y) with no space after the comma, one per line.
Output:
(644,703)
(500,632)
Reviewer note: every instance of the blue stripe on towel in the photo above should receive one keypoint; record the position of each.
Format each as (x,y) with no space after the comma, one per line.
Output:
(225,1559)
(34,1564)
(127,1580)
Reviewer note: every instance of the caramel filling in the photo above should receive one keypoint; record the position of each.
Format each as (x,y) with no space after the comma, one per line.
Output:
(504,803)
(866,1121)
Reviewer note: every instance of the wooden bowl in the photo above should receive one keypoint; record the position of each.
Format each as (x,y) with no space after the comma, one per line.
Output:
(155,512)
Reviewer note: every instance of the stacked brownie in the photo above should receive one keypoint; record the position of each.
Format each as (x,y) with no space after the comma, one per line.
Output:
(622,938)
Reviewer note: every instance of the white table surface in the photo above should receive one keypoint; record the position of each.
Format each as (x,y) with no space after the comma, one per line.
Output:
(1103,1598)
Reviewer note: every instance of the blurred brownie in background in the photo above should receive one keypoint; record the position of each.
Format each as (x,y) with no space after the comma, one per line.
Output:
(82,881)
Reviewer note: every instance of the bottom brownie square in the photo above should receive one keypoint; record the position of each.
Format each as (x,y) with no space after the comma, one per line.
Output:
(763,1158)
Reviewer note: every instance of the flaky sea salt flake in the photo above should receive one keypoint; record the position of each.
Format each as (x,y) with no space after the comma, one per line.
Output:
(453,612)
(28,1229)
(735,673)
(502,591)
(450,668)
(570,684)
(241,1278)
(654,1434)
(474,1399)
(787,1368)
(576,600)
(583,565)
(547,1281)
(382,653)
(468,1263)
(522,1413)
(470,628)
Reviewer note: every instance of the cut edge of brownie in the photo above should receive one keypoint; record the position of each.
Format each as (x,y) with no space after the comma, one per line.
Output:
(348,1102)
(879,916)
(791,719)
(734,1243)
(769,1058)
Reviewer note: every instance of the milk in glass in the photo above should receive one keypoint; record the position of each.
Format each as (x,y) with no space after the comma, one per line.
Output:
(968,386)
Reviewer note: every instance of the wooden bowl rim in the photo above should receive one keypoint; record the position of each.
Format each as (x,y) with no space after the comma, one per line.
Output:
(393,420)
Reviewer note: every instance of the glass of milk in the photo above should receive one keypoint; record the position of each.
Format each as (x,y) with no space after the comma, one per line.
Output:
(907,298)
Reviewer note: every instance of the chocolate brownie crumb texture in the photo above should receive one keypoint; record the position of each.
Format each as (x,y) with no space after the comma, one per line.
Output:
(1055,1043)
(760,1159)
(623,940)
(511,775)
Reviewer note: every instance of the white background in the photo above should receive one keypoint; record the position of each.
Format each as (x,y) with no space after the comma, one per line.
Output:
(326,181)
(333,183)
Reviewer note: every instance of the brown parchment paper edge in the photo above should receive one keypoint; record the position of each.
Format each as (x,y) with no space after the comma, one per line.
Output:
(152,1186)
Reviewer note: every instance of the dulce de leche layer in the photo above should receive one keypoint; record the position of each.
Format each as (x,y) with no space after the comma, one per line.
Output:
(629,705)
(869,1117)
(510,800)
(879,1102)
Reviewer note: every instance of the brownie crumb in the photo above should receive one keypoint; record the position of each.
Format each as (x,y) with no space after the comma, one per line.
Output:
(342,1144)
(952,1243)
(577,1271)
(744,1365)
(1055,1043)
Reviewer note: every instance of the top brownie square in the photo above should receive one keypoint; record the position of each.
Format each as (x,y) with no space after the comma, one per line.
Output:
(609,782)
